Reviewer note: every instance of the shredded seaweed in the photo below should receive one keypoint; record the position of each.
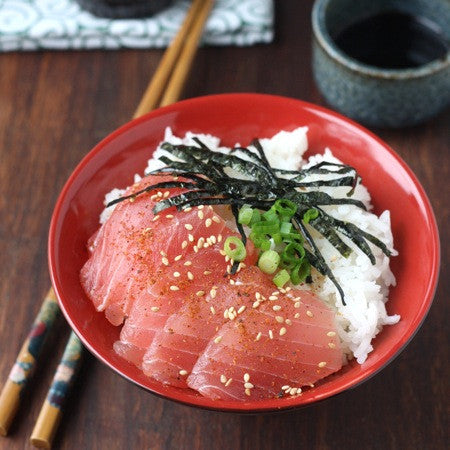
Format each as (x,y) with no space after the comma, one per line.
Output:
(207,180)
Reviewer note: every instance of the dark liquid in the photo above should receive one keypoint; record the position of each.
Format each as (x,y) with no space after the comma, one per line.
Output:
(393,40)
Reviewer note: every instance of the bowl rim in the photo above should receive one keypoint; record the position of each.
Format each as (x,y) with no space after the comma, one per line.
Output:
(323,38)
(260,406)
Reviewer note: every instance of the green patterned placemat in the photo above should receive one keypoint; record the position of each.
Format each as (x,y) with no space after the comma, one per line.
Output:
(62,24)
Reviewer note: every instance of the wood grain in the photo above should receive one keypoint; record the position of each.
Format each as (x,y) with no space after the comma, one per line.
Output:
(54,106)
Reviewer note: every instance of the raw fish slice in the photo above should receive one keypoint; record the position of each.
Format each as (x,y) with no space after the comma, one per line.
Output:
(180,342)
(148,315)
(133,250)
(287,340)
(122,257)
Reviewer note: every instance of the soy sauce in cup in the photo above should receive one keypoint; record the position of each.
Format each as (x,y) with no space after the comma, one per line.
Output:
(393,40)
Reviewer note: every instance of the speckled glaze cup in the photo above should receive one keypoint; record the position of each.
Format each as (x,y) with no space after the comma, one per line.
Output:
(371,95)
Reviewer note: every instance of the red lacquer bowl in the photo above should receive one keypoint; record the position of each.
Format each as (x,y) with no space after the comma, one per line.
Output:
(240,118)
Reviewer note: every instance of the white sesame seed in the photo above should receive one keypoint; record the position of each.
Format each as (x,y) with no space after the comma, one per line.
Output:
(273,297)
(331,345)
(297,305)
(169,216)
(213,239)
(212,293)
(155,218)
(195,249)
(165,261)
(166,194)
(227,258)
(208,222)
(187,209)
(322,364)
(184,244)
(200,293)
(155,308)
(176,274)
(218,339)
(279,319)
(275,293)
(246,377)
(159,194)
(247,392)
(225,314)
(183,372)
(190,238)
(213,311)
(207,272)
(228,382)
(293,391)
(188,226)
(200,215)
(309,314)
(223,379)
(241,309)
(270,334)
(258,336)
(248,386)
(285,387)
(219,238)
(174,288)
(153,197)
(257,295)
(232,281)
(276,307)
(200,206)
(222,252)
(288,322)
(190,276)
(178,257)
(283,331)
(296,315)
(187,263)
(331,334)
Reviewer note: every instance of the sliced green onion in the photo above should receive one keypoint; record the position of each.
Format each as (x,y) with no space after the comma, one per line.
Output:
(281,278)
(277,238)
(266,227)
(265,245)
(234,248)
(286,227)
(256,217)
(310,214)
(270,215)
(245,215)
(285,207)
(268,261)
(293,253)
(300,272)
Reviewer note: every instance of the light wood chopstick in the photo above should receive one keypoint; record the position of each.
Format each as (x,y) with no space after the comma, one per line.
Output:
(174,67)
(177,60)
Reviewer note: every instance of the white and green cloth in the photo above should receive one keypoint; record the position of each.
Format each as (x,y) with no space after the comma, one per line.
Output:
(63,24)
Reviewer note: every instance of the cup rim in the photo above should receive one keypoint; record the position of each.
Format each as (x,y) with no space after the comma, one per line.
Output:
(323,38)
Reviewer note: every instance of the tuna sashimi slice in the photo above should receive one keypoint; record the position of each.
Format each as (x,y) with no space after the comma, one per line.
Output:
(134,249)
(285,341)
(198,325)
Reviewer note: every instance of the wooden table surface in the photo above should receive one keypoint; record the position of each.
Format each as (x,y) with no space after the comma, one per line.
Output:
(54,106)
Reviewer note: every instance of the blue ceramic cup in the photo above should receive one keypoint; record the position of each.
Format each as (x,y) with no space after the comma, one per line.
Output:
(372,94)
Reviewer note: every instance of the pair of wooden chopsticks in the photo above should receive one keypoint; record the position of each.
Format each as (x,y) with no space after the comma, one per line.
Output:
(164,88)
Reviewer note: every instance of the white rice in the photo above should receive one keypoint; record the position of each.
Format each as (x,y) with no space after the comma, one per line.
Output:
(366,286)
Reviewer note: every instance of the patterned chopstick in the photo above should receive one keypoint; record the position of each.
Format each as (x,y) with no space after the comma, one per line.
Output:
(25,363)
(51,410)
